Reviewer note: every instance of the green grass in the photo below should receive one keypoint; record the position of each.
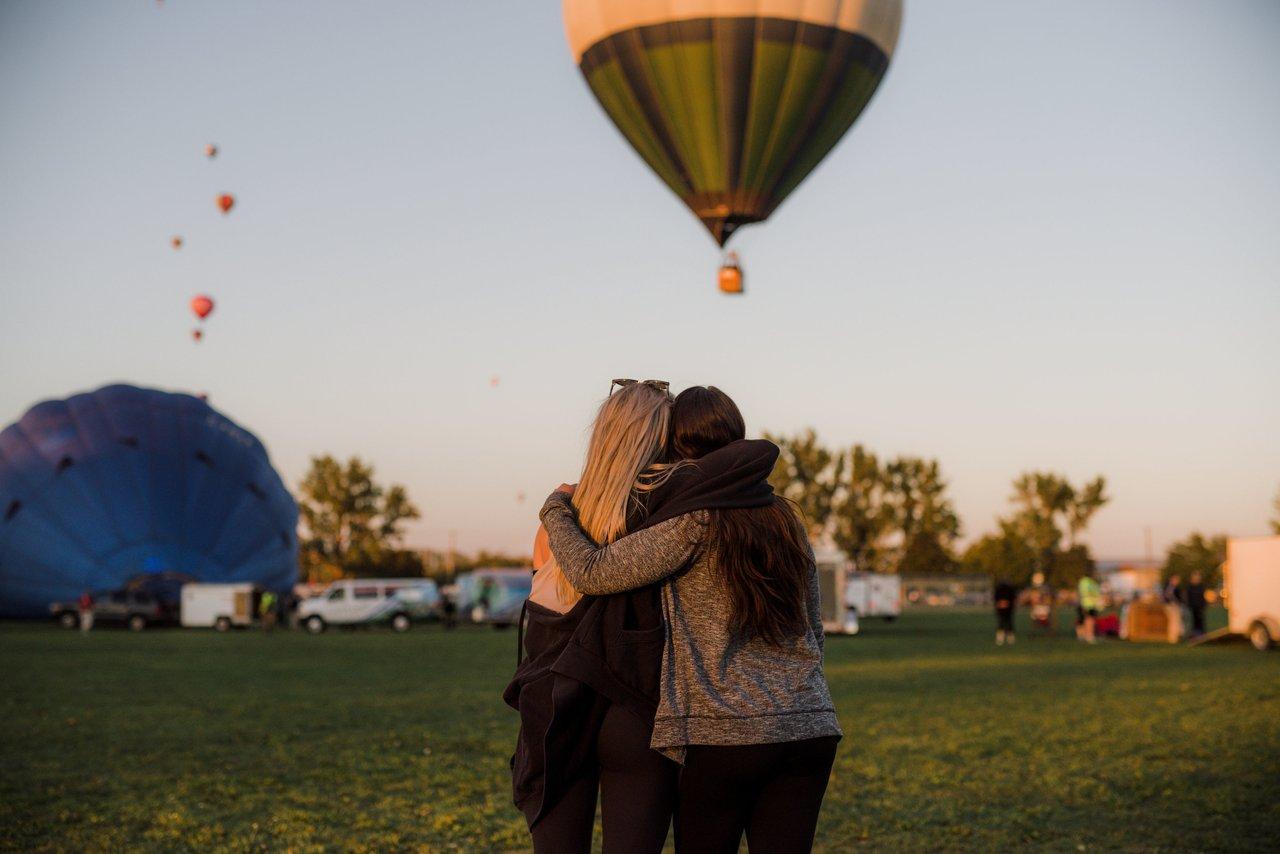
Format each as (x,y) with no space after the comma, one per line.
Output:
(175,740)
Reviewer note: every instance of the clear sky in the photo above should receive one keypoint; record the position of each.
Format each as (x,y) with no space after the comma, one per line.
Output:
(1052,241)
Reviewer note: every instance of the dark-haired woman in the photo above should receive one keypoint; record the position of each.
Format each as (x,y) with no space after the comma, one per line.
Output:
(744,705)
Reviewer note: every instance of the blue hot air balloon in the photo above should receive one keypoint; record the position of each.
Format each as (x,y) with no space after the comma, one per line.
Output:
(111,487)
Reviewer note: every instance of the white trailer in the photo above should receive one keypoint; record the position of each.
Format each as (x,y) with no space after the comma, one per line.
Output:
(1252,586)
(218,606)
(848,596)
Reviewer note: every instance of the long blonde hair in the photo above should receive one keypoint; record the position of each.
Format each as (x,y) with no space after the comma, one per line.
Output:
(623,459)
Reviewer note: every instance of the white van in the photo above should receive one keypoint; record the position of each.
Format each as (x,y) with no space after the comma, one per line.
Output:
(218,606)
(362,601)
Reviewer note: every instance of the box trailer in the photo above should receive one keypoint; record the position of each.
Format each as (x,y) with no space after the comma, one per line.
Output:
(218,606)
(1252,587)
(848,596)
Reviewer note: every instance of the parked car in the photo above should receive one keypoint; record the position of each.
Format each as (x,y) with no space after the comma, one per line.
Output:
(136,609)
(219,606)
(366,601)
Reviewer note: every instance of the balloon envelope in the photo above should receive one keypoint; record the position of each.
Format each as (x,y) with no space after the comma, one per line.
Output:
(201,306)
(733,102)
(226,202)
(103,487)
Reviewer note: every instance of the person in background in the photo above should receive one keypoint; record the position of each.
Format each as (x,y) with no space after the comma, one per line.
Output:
(1006,596)
(1195,601)
(1087,611)
(484,601)
(1172,596)
(1041,604)
(448,608)
(291,603)
(85,606)
(267,610)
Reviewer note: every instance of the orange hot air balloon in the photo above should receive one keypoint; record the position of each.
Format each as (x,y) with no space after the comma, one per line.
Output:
(211,151)
(176,242)
(226,202)
(731,275)
(196,335)
(201,306)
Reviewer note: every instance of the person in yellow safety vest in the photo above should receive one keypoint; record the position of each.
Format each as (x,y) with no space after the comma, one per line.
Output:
(267,610)
(1087,611)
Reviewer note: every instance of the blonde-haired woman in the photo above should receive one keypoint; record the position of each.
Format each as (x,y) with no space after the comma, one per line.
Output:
(586,681)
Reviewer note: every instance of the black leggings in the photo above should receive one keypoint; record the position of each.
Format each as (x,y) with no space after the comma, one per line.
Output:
(637,795)
(771,791)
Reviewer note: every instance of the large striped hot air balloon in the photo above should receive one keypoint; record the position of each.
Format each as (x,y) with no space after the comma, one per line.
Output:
(733,102)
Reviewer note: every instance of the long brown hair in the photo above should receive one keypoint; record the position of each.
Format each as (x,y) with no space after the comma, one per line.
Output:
(762,552)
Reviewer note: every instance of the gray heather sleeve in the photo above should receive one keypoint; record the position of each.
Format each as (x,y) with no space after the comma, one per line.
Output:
(815,608)
(636,560)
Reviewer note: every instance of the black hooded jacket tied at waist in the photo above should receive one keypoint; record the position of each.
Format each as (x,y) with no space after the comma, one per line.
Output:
(608,649)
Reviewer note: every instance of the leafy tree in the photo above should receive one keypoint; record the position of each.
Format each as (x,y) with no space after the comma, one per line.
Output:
(1069,565)
(1047,510)
(873,511)
(354,526)
(1003,555)
(809,475)
(862,520)
(925,554)
(916,501)
(1197,553)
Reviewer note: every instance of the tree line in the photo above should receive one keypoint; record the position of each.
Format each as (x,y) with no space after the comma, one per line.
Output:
(894,515)
(887,515)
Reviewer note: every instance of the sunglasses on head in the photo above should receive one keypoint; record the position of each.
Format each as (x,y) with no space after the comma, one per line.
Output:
(659,385)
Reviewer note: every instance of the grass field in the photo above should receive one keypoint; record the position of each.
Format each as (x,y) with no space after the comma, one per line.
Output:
(172,740)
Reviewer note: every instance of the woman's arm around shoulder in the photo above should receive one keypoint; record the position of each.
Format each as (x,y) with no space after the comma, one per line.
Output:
(636,560)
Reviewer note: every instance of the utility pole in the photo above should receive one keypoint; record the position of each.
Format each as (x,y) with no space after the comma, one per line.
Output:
(448,555)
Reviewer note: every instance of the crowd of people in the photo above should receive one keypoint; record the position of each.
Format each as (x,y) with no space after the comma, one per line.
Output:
(1184,606)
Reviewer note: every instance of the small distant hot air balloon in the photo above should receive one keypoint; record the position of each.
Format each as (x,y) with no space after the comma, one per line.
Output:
(226,202)
(731,275)
(201,306)
(494,381)
(176,241)
(520,497)
(211,151)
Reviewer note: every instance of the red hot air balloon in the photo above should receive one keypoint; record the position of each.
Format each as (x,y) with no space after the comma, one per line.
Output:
(211,151)
(201,306)
(196,335)
(176,242)
(226,202)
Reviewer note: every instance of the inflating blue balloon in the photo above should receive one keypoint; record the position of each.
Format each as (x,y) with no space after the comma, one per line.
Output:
(104,488)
